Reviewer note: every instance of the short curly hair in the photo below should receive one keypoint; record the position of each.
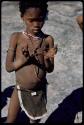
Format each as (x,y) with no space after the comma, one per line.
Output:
(25,4)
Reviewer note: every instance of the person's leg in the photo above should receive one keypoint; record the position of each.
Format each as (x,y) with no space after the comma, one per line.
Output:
(79,20)
(14,107)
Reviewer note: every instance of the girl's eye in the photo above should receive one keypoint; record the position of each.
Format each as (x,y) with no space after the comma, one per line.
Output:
(40,19)
(37,20)
(30,21)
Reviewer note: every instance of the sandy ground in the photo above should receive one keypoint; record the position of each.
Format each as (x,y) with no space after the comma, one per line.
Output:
(66,79)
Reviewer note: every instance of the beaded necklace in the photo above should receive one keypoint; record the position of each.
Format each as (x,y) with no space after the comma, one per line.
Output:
(28,34)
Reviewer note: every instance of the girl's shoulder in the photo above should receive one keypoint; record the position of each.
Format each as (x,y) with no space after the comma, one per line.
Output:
(48,38)
(15,37)
(16,34)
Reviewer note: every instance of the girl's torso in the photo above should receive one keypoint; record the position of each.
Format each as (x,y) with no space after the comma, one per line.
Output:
(31,74)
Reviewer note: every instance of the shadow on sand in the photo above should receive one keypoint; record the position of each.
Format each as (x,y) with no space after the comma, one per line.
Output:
(21,118)
(67,110)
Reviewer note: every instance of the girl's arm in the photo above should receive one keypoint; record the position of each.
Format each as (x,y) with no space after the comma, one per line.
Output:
(11,64)
(49,56)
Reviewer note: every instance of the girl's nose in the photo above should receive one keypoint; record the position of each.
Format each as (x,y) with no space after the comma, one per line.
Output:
(35,24)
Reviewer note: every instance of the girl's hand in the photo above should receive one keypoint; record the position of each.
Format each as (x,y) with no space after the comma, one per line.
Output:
(22,60)
(22,57)
(25,52)
(51,52)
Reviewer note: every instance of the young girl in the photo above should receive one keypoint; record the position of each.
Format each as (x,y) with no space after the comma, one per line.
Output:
(31,56)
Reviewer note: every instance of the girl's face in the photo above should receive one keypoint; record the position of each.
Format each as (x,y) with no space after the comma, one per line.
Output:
(33,19)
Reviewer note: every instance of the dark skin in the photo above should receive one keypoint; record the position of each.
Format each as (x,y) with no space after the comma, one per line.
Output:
(19,53)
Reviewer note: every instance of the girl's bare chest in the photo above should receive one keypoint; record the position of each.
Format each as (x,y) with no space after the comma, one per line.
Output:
(31,45)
